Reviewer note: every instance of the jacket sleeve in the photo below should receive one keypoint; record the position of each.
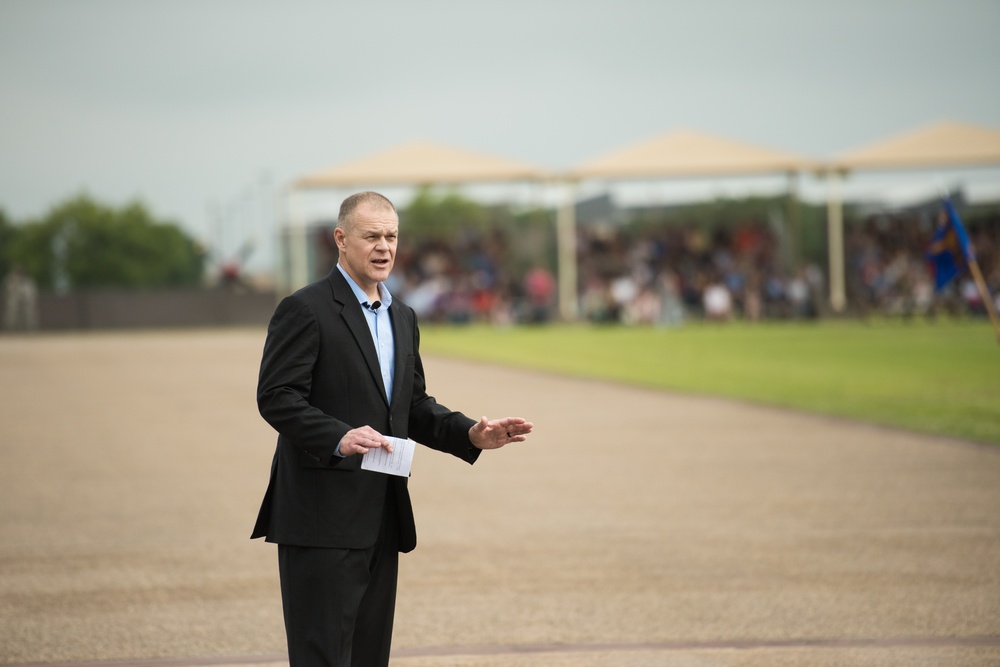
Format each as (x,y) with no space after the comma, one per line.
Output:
(285,383)
(431,423)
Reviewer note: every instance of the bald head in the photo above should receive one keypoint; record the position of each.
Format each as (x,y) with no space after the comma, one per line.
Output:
(373,201)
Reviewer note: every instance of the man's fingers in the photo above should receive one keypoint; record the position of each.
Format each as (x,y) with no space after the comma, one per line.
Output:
(375,443)
(514,426)
(366,438)
(363,447)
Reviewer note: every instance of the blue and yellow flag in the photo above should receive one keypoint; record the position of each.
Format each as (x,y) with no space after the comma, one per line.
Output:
(949,251)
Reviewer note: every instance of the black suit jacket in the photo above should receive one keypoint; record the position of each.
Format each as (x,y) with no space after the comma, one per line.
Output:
(320,378)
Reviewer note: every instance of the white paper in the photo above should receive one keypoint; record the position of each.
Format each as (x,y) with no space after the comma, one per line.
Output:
(396,463)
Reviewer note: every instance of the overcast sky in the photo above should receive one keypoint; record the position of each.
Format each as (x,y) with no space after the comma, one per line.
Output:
(201,108)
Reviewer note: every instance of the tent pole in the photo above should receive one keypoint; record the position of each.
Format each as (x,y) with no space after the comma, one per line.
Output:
(566,245)
(298,246)
(984,293)
(794,223)
(835,241)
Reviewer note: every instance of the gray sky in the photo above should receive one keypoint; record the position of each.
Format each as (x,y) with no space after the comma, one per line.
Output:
(205,108)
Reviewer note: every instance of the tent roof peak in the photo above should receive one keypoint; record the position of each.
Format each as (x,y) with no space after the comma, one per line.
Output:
(687,152)
(422,163)
(941,144)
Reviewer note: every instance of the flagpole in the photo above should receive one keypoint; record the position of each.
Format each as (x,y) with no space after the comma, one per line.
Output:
(984,292)
(970,260)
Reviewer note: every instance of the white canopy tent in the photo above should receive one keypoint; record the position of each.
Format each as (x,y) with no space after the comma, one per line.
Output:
(690,153)
(422,163)
(677,154)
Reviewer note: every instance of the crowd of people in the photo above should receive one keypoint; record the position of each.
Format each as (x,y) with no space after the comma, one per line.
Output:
(666,274)
(663,276)
(656,278)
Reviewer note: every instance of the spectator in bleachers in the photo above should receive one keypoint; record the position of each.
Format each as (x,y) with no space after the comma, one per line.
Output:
(540,289)
(718,301)
(671,307)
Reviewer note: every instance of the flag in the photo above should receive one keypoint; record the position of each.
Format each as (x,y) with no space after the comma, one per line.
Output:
(949,251)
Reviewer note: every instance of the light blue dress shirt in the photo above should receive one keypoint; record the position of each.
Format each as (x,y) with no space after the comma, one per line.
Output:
(381,328)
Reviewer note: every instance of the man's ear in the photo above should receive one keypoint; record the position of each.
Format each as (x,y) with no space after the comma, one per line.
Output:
(340,238)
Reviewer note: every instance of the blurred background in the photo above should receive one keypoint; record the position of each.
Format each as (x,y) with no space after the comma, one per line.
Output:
(636,162)
(640,166)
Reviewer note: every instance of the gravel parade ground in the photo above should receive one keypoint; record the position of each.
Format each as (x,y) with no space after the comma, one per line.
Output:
(635,528)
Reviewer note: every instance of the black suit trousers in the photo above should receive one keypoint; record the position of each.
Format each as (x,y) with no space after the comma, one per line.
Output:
(339,603)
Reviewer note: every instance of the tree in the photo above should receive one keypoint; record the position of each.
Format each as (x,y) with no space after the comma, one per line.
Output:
(442,216)
(7,233)
(84,244)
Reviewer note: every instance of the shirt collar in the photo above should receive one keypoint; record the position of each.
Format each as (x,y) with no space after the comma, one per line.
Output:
(383,291)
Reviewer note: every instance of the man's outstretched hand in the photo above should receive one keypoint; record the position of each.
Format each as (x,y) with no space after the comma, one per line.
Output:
(499,432)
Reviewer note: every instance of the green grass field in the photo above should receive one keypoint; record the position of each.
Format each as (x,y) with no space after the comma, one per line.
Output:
(937,377)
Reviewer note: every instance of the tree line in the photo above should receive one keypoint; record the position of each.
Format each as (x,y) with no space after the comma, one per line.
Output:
(84,244)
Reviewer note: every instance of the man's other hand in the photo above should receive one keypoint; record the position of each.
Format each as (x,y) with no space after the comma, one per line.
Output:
(495,434)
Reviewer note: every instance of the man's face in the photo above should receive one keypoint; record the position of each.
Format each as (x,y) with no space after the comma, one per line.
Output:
(368,248)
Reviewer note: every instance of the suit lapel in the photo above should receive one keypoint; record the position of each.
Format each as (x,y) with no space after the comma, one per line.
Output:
(402,334)
(350,311)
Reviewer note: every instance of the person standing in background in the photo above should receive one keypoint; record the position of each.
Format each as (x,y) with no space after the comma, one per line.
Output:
(20,301)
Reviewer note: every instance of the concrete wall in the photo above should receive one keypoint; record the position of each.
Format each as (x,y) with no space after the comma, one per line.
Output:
(123,309)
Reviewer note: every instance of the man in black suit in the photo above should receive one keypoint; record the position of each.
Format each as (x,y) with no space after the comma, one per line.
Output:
(340,371)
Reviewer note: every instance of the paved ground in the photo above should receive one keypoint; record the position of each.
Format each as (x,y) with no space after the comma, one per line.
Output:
(636,528)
